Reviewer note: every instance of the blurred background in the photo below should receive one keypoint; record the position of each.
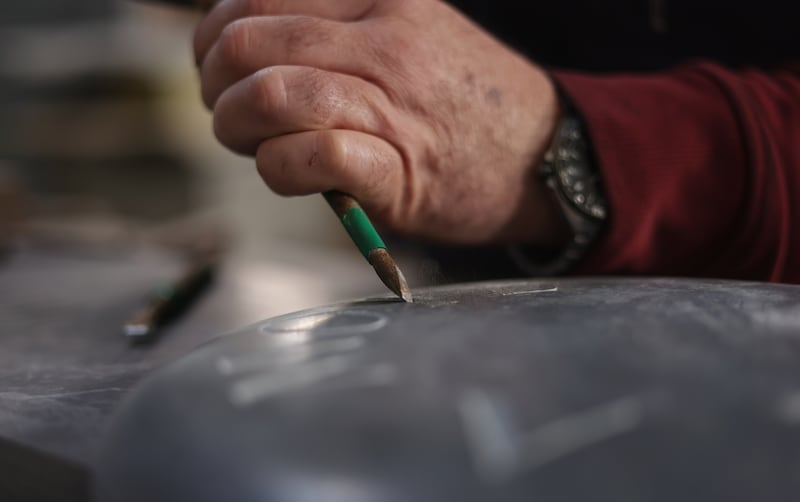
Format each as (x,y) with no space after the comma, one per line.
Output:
(107,159)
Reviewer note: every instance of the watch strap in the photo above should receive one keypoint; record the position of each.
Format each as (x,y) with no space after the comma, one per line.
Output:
(570,171)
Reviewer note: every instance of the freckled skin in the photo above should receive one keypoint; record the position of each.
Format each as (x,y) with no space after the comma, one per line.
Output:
(431,123)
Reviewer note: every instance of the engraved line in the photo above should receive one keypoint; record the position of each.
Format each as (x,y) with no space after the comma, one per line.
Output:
(491,445)
(16,396)
(572,433)
(515,293)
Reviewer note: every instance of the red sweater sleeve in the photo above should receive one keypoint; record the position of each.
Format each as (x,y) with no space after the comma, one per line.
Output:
(701,165)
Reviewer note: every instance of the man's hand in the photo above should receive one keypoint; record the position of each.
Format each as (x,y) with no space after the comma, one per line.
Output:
(433,125)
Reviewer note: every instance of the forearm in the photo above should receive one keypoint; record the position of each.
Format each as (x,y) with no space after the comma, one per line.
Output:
(700,165)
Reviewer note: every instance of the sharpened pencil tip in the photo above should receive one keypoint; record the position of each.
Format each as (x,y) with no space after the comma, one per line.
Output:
(403,291)
(390,274)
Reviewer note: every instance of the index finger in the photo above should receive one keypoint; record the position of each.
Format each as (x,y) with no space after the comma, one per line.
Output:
(227,11)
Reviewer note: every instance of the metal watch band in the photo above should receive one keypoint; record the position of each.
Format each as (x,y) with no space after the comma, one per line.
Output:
(569,170)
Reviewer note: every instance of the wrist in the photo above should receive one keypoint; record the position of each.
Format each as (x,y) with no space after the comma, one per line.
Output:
(538,220)
(569,173)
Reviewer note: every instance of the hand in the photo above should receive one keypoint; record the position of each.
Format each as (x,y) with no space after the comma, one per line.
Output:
(432,124)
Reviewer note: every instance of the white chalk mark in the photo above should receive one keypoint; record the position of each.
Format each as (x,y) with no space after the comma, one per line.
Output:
(492,446)
(295,354)
(779,319)
(500,452)
(788,408)
(251,390)
(18,396)
(532,292)
(572,433)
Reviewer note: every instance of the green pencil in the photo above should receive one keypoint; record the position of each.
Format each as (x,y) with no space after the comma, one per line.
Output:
(368,241)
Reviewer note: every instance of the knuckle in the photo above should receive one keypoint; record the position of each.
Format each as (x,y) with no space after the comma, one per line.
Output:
(318,94)
(331,152)
(234,42)
(398,49)
(302,32)
(270,92)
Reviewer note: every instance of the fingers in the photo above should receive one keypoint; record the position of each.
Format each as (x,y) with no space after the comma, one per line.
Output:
(353,162)
(248,45)
(289,99)
(227,11)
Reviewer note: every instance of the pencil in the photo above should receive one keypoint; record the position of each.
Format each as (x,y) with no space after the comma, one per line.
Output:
(368,241)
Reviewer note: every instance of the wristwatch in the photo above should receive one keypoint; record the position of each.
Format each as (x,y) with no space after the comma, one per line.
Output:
(570,171)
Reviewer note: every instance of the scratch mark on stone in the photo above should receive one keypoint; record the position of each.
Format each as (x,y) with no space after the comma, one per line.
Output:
(572,433)
(491,443)
(18,396)
(532,292)
(500,452)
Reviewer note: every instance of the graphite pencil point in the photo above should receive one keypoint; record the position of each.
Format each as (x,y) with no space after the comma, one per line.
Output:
(390,273)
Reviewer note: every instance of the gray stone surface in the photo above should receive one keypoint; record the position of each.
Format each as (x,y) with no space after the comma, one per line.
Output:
(562,390)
